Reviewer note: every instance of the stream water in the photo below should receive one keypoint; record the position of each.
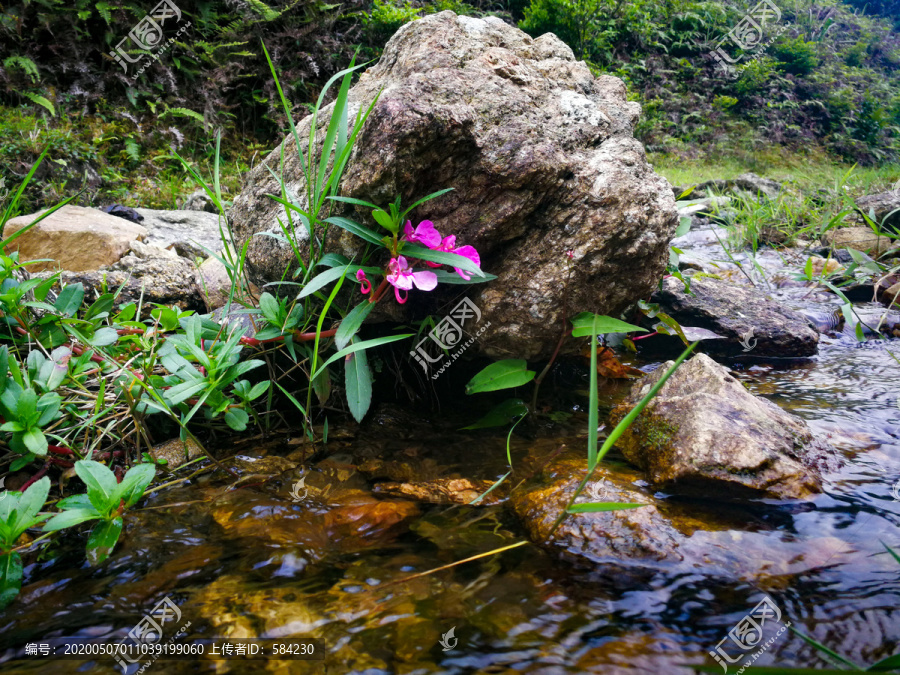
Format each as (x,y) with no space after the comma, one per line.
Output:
(258,562)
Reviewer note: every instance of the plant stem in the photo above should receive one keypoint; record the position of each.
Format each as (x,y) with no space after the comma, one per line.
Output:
(620,429)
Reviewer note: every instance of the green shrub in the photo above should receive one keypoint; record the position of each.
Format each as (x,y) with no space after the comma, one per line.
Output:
(756,75)
(796,56)
(386,18)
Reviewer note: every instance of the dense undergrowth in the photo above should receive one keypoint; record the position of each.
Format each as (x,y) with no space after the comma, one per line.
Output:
(828,81)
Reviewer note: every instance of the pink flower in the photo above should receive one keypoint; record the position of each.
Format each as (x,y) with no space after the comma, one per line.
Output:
(424,234)
(402,277)
(365,284)
(449,245)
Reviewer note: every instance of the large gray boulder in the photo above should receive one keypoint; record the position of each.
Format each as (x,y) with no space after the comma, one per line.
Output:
(704,433)
(541,155)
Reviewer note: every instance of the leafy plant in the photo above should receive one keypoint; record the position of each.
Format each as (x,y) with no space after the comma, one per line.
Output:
(106,501)
(19,511)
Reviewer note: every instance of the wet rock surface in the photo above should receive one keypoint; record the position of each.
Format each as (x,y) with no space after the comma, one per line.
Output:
(742,315)
(628,535)
(443,491)
(704,433)
(542,159)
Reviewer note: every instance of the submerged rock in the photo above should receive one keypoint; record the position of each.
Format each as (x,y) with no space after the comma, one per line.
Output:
(628,535)
(704,433)
(542,158)
(74,238)
(444,491)
(748,321)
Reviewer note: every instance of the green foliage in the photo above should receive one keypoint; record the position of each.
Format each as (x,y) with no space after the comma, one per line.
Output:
(19,511)
(106,500)
(796,56)
(504,374)
(385,18)
(25,64)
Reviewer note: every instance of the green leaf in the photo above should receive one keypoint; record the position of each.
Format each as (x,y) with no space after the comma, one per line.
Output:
(425,199)
(358,384)
(822,648)
(355,228)
(30,503)
(894,553)
(442,257)
(70,518)
(384,219)
(40,100)
(182,392)
(501,375)
(596,507)
(237,419)
(258,390)
(132,487)
(351,323)
(684,226)
(448,277)
(355,202)
(583,324)
(355,347)
(35,441)
(102,540)
(889,663)
(502,414)
(69,299)
(10,578)
(75,502)
(270,308)
(323,279)
(104,337)
(101,484)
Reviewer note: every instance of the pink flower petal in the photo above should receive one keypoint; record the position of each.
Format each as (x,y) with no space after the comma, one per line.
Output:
(425,281)
(424,234)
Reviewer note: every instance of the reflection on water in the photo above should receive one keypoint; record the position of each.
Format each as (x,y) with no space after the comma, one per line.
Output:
(257,562)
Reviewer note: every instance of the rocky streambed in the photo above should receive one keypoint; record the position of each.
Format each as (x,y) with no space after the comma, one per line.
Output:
(329,544)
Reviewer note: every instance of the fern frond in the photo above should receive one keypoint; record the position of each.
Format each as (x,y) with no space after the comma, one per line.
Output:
(26,64)
(266,12)
(184,112)
(40,100)
(103,10)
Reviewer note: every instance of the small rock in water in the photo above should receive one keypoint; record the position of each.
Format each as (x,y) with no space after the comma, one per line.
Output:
(444,491)
(704,432)
(175,452)
(639,534)
(748,321)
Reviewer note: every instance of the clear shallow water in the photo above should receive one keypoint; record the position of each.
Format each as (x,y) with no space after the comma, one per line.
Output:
(250,562)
